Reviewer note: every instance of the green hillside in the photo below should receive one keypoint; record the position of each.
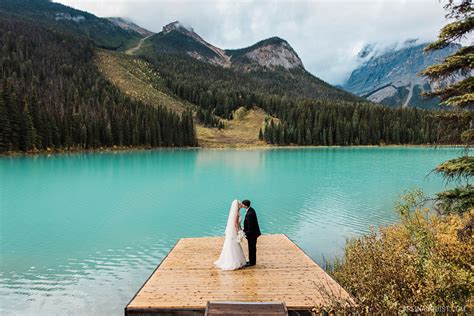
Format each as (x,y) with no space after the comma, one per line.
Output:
(62,18)
(52,96)
(137,79)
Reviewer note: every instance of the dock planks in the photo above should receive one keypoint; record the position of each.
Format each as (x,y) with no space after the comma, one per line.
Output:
(186,279)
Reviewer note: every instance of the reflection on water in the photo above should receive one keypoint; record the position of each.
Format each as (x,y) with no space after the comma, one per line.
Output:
(80,233)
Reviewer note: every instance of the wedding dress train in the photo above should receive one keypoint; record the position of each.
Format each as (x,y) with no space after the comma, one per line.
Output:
(232,256)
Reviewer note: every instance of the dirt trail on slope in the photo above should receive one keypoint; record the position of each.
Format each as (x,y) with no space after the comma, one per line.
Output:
(132,50)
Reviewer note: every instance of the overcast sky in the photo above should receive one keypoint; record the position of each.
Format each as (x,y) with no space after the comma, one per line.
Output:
(327,35)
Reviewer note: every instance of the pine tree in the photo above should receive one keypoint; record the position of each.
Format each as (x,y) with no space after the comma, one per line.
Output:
(5,129)
(458,95)
(461,93)
(14,116)
(27,135)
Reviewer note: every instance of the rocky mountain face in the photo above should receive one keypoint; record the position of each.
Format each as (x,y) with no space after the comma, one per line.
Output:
(128,25)
(272,53)
(179,36)
(392,77)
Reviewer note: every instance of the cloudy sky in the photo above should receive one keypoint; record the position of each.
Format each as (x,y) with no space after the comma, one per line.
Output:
(327,35)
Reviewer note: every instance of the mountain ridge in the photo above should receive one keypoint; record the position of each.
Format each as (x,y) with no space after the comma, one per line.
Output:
(270,66)
(176,30)
(128,24)
(391,77)
(59,17)
(270,53)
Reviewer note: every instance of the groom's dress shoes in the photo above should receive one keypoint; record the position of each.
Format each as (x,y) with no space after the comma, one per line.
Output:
(248,264)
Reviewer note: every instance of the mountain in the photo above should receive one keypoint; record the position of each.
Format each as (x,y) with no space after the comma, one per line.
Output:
(391,77)
(177,38)
(269,67)
(56,16)
(128,25)
(270,53)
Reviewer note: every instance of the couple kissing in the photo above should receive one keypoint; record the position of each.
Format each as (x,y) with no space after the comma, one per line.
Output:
(232,255)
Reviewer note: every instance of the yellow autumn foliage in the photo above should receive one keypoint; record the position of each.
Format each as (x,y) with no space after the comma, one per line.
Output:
(419,265)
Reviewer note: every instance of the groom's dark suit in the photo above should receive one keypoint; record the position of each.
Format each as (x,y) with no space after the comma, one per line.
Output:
(252,231)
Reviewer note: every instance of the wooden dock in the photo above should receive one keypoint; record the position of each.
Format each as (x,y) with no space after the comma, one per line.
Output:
(186,279)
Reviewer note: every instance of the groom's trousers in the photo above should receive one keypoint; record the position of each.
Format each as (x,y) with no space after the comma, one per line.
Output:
(252,242)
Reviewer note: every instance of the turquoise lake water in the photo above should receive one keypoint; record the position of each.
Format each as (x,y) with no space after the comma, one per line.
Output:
(80,233)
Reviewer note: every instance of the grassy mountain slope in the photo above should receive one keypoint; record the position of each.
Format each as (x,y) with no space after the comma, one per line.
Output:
(62,18)
(241,131)
(139,80)
(136,78)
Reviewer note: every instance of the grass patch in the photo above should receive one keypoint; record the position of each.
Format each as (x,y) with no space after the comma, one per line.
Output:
(136,78)
(240,132)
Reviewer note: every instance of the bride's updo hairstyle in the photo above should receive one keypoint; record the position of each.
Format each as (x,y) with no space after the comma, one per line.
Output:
(246,203)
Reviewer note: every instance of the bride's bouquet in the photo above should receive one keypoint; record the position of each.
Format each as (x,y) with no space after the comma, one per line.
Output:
(240,235)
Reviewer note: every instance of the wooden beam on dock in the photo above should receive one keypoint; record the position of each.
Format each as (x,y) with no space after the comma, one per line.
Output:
(246,308)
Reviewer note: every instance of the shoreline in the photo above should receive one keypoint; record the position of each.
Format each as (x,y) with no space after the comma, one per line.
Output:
(126,149)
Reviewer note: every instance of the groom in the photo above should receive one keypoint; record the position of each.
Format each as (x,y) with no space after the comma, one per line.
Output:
(252,231)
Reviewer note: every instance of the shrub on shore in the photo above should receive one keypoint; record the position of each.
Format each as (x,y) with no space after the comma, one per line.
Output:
(422,264)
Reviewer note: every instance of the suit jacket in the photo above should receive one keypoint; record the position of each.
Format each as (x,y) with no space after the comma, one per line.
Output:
(251,228)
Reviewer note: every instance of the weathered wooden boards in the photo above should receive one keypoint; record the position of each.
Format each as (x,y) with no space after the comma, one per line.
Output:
(245,308)
(186,279)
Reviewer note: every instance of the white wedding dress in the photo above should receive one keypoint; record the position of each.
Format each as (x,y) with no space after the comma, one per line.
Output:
(232,256)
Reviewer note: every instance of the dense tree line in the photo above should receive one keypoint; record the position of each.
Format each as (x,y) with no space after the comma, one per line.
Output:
(223,90)
(208,119)
(329,123)
(53,96)
(305,118)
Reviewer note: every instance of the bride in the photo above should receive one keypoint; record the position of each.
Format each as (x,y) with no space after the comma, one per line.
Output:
(232,256)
